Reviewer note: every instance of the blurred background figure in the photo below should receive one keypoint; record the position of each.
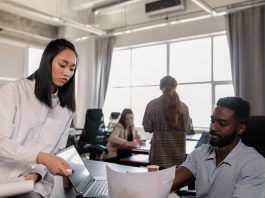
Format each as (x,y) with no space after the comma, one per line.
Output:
(167,117)
(123,134)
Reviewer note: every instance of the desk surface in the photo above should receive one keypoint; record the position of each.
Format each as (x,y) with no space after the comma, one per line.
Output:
(97,169)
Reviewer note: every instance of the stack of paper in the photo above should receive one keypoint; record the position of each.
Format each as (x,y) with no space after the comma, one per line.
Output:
(15,186)
(140,185)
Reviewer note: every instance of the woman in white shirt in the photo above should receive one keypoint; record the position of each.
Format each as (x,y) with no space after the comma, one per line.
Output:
(35,117)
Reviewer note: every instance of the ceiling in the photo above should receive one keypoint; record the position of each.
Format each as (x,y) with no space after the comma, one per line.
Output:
(36,20)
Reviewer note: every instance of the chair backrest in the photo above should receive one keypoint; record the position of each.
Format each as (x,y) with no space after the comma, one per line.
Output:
(93,115)
(254,135)
(114,118)
(94,120)
(204,139)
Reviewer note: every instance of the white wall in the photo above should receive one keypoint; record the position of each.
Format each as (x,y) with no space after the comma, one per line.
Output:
(13,61)
(171,32)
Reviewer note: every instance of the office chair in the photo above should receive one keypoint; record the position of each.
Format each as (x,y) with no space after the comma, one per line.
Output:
(93,124)
(254,135)
(114,117)
(96,151)
(89,141)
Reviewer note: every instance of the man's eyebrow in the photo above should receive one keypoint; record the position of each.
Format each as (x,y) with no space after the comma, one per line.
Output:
(218,119)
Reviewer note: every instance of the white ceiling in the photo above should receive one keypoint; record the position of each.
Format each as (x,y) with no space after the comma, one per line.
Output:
(113,16)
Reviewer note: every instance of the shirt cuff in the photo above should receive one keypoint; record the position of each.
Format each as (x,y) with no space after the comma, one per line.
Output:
(41,170)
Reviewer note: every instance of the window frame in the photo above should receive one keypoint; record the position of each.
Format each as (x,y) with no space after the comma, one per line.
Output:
(212,82)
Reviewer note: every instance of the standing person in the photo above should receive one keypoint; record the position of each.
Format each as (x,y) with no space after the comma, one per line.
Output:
(167,117)
(226,168)
(35,117)
(123,134)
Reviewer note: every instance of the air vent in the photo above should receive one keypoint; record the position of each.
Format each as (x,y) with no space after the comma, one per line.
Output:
(163,6)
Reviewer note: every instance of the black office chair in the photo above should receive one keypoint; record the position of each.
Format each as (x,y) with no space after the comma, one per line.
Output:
(96,151)
(113,119)
(255,134)
(94,123)
(88,142)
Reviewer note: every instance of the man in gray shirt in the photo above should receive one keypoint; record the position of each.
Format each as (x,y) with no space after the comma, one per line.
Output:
(226,168)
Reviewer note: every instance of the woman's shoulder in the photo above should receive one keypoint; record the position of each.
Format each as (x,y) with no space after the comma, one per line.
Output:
(155,101)
(183,103)
(119,125)
(183,106)
(18,84)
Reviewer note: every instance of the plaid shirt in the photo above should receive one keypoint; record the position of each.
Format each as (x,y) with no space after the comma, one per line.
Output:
(168,146)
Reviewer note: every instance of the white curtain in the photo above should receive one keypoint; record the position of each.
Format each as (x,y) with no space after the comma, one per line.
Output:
(246,38)
(103,55)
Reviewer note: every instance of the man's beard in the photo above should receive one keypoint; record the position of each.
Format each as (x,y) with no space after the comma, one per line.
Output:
(224,140)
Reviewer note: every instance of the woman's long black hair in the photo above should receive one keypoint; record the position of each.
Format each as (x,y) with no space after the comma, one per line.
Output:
(123,116)
(43,76)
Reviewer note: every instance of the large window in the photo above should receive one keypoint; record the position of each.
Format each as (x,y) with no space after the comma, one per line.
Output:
(34,59)
(201,66)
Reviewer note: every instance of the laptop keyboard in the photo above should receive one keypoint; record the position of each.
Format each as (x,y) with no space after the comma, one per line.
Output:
(99,188)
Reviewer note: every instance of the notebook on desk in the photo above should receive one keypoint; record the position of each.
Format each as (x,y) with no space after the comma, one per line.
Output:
(83,182)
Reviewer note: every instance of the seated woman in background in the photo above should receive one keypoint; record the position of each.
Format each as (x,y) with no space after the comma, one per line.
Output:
(123,134)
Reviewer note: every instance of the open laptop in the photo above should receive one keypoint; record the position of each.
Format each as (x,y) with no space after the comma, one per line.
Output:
(83,182)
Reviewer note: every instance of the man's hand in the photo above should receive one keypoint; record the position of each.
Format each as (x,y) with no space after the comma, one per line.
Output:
(55,164)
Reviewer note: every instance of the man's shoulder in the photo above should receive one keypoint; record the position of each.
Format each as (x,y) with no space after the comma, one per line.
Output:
(252,153)
(204,150)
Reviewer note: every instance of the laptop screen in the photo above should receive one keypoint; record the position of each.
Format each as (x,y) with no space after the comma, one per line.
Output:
(71,156)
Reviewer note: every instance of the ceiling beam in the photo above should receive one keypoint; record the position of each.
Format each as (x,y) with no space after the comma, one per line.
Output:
(21,25)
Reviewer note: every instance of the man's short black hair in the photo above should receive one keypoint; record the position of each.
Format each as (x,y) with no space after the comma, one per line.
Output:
(238,105)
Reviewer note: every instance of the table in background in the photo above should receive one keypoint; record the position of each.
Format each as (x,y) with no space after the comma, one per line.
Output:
(191,141)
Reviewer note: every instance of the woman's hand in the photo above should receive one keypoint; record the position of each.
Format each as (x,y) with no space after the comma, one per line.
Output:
(131,143)
(55,164)
(141,142)
(32,176)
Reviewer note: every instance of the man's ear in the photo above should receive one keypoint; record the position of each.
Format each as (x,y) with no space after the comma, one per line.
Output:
(241,129)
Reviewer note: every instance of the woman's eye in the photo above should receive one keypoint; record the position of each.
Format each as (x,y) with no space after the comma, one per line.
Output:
(62,65)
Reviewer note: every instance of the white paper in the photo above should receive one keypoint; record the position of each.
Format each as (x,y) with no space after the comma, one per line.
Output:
(140,185)
(15,187)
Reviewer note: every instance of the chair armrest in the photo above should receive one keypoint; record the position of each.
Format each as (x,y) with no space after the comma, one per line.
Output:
(186,193)
(89,147)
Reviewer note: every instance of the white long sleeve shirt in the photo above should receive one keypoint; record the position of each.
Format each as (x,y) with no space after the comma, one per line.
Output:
(27,127)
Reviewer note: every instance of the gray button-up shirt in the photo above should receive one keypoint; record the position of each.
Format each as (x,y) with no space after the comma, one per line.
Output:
(240,174)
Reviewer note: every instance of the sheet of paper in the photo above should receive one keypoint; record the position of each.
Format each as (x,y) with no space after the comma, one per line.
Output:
(15,187)
(140,185)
